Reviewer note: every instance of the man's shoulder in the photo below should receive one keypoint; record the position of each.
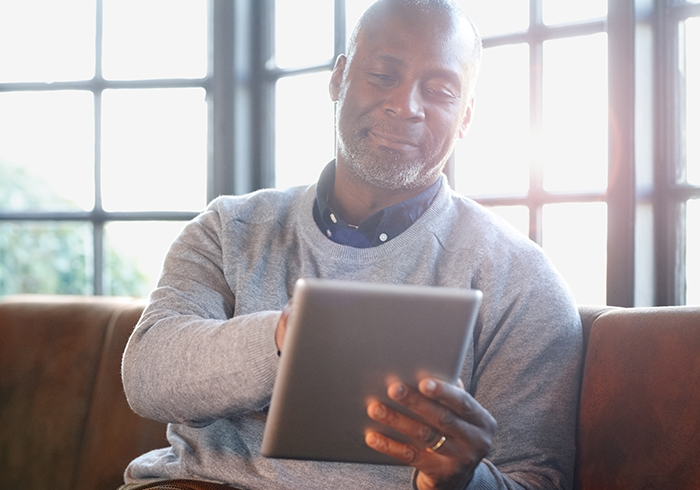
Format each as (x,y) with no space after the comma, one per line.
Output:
(465,220)
(262,205)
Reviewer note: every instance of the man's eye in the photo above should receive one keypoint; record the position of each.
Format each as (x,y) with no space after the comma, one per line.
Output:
(383,79)
(441,92)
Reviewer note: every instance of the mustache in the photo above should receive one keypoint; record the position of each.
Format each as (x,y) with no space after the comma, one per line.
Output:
(398,133)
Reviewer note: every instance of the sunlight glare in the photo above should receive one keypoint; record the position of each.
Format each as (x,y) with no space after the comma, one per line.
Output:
(155,39)
(51,135)
(304,129)
(154,149)
(564,11)
(46,40)
(575,114)
(494,155)
(574,236)
(692,101)
(295,43)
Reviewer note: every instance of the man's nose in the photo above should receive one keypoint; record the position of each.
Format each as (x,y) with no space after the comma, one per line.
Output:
(405,101)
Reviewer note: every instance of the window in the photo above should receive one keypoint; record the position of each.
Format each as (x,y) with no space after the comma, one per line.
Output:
(584,135)
(103,140)
(536,152)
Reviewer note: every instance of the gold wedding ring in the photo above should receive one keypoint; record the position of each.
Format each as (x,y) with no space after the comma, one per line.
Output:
(438,444)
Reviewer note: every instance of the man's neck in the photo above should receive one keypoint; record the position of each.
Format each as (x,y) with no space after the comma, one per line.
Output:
(356,201)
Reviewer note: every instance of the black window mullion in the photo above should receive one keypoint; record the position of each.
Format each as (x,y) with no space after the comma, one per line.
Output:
(621,156)
(535,195)
(339,30)
(221,162)
(669,260)
(263,93)
(98,250)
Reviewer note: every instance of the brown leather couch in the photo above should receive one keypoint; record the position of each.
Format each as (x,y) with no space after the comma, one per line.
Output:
(65,423)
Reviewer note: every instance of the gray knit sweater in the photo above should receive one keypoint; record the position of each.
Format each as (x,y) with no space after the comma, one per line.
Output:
(203,356)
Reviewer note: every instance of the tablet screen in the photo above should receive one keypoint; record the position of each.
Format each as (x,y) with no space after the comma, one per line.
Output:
(345,342)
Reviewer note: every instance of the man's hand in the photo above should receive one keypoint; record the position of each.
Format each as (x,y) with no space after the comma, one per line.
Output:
(282,326)
(450,412)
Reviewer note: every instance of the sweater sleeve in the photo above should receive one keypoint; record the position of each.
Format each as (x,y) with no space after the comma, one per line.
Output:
(189,359)
(527,360)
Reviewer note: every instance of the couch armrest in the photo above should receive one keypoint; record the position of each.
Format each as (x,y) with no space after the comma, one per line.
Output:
(639,423)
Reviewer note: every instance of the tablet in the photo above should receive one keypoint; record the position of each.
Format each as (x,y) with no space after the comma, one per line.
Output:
(345,342)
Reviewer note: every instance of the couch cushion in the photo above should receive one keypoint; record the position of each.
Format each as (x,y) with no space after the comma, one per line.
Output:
(639,422)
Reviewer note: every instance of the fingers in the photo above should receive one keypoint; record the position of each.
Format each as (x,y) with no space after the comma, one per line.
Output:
(442,410)
(425,436)
(408,454)
(459,402)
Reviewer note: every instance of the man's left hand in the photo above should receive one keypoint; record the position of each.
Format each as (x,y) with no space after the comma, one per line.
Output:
(449,412)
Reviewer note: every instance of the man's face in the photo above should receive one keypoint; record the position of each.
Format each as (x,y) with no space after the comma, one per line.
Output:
(403,99)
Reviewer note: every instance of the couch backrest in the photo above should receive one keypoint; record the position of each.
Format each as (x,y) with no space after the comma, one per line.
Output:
(64,421)
(639,422)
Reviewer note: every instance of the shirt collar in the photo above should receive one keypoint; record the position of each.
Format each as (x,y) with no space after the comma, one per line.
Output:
(379,228)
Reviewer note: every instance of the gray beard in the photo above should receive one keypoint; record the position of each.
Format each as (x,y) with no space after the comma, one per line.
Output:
(388,172)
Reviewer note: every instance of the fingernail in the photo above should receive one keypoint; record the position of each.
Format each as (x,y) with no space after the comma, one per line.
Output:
(399,390)
(371,439)
(429,385)
(379,411)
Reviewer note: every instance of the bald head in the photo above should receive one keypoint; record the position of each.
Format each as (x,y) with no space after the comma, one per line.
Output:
(446,12)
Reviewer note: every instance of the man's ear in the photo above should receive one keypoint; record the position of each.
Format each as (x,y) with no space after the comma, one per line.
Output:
(337,77)
(467,119)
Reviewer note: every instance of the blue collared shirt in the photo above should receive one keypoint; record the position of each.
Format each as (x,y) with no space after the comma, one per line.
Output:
(379,228)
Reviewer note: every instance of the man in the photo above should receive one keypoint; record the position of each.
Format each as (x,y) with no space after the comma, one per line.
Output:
(205,353)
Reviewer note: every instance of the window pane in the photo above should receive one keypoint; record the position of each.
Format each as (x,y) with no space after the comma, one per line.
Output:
(47,150)
(45,258)
(498,16)
(46,40)
(154,153)
(353,11)
(574,147)
(494,156)
(574,237)
(305,129)
(134,255)
(692,101)
(146,39)
(304,33)
(516,216)
(559,11)
(692,264)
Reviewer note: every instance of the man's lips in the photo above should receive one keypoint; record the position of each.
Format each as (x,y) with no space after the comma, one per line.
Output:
(393,142)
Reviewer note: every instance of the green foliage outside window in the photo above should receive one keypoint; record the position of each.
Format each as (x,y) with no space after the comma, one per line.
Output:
(53,257)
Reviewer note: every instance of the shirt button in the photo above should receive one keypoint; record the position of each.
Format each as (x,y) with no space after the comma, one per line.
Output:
(333,218)
(383,237)
(328,232)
